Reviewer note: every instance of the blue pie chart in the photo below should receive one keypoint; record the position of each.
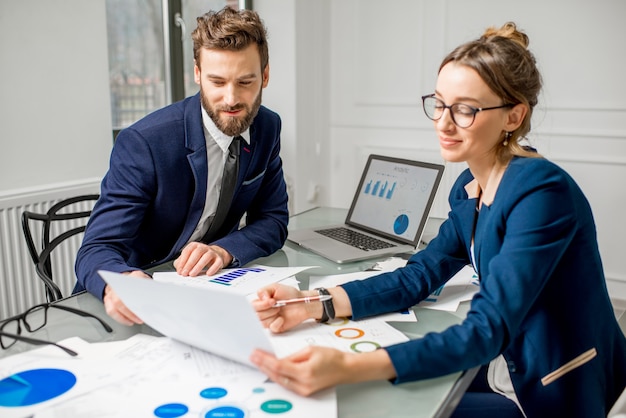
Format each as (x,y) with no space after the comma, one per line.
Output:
(31,387)
(401,224)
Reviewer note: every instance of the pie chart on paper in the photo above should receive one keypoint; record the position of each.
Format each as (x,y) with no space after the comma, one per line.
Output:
(34,386)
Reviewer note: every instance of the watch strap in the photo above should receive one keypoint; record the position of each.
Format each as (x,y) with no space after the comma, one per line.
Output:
(328,308)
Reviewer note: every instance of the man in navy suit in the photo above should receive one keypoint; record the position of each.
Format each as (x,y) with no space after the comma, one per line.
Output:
(159,199)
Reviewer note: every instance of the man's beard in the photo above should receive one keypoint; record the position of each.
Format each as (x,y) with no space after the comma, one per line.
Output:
(232,125)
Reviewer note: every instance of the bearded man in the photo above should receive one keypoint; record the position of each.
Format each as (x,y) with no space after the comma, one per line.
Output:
(181,179)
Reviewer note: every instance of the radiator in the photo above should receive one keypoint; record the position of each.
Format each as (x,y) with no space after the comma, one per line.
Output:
(20,287)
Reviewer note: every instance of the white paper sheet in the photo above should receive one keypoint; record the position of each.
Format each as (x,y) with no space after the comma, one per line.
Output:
(178,377)
(244,280)
(461,287)
(389,264)
(343,334)
(39,379)
(214,319)
(234,396)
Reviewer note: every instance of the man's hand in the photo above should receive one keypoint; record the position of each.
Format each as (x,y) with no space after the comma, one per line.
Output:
(114,306)
(197,255)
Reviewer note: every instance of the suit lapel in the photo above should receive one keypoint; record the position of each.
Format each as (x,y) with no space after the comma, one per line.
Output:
(196,144)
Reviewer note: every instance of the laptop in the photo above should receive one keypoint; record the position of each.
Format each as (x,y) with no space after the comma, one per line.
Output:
(387,216)
(216,320)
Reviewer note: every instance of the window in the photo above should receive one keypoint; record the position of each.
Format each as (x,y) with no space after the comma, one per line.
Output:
(151,53)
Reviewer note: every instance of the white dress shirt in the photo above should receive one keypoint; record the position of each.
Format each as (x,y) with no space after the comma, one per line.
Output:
(217,144)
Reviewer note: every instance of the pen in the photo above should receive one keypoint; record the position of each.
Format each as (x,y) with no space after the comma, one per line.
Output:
(308,299)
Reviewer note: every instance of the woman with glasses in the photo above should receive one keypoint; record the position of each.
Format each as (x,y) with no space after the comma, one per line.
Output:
(542,326)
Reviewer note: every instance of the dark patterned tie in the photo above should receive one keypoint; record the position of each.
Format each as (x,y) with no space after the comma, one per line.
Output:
(229,181)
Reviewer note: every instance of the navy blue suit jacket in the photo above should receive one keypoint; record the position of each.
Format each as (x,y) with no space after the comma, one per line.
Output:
(154,193)
(543,301)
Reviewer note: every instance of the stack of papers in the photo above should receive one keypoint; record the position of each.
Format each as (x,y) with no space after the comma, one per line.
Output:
(144,376)
(461,287)
(160,376)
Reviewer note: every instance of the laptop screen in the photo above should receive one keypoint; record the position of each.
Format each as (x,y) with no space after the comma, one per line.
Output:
(394,197)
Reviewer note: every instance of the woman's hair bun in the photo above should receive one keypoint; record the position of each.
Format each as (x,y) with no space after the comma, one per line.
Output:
(508,30)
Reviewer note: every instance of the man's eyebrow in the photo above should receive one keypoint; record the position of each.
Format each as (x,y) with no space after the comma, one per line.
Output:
(243,77)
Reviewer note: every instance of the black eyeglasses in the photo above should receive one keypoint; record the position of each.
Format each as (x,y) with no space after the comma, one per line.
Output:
(462,115)
(34,319)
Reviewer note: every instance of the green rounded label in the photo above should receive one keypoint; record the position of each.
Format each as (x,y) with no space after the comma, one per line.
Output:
(276,406)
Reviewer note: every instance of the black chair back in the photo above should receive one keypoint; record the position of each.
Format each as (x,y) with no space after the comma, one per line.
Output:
(42,255)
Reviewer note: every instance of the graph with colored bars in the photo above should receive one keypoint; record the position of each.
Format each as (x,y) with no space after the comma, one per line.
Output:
(433,296)
(227,278)
(379,189)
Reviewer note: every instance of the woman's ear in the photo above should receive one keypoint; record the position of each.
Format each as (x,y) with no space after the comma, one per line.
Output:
(515,117)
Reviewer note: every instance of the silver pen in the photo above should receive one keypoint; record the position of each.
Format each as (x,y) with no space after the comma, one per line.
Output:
(307,299)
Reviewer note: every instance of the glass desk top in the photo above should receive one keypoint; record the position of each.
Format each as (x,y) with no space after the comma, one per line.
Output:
(424,398)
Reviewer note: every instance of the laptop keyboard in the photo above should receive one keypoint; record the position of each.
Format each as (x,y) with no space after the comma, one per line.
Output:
(354,239)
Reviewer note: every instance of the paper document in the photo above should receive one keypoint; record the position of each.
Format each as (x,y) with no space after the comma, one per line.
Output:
(234,396)
(25,380)
(389,264)
(461,287)
(161,377)
(241,279)
(217,320)
(343,334)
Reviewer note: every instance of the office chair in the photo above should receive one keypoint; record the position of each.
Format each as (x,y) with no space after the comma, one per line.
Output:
(42,256)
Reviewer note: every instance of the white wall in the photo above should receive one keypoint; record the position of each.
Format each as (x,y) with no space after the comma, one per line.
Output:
(381,57)
(298,91)
(55,117)
(346,77)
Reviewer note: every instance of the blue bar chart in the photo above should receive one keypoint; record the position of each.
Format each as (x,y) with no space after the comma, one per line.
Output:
(228,278)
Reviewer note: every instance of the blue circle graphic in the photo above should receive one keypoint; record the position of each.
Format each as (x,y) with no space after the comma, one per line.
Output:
(225,412)
(213,393)
(401,224)
(171,410)
(34,386)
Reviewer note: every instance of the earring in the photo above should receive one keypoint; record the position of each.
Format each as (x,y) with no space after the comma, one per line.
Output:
(507,136)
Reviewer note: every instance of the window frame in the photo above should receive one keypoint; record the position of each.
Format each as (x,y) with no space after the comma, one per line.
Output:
(173,54)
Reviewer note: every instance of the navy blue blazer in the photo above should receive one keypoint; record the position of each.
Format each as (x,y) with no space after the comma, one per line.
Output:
(153,195)
(543,301)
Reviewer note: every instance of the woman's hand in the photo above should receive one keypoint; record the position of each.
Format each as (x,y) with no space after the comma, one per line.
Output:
(315,368)
(283,318)
(307,371)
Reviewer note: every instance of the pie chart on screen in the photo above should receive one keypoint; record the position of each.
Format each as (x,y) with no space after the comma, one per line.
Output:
(34,386)
(401,224)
